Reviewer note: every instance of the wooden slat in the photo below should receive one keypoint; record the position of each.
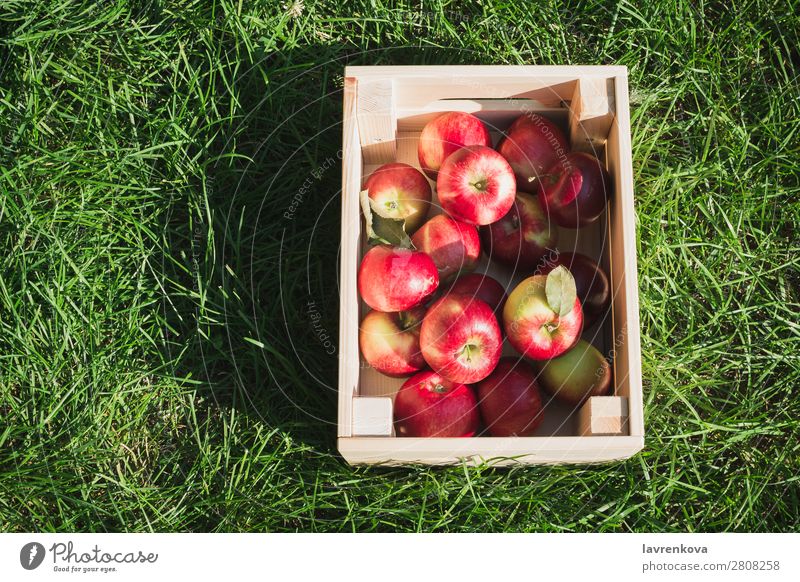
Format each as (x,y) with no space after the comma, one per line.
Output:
(502,451)
(555,73)
(497,114)
(349,257)
(415,93)
(624,283)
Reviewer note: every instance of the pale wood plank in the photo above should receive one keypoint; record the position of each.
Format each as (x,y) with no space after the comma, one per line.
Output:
(501,451)
(627,256)
(553,72)
(498,114)
(349,257)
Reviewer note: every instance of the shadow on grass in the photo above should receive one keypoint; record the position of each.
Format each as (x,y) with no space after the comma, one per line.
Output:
(252,246)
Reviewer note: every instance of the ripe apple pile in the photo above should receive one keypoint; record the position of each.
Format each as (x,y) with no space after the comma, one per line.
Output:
(433,320)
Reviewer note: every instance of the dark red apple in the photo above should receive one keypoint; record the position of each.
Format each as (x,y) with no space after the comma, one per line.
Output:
(428,405)
(390,341)
(447,133)
(402,192)
(509,399)
(396,279)
(476,185)
(481,287)
(522,237)
(575,190)
(454,246)
(532,145)
(576,375)
(534,327)
(591,283)
(460,338)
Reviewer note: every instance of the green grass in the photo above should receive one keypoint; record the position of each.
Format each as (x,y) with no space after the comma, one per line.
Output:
(159,365)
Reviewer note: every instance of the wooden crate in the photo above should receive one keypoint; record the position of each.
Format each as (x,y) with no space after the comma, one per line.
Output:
(385,108)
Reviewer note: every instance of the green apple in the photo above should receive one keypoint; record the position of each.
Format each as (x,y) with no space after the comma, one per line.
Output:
(576,375)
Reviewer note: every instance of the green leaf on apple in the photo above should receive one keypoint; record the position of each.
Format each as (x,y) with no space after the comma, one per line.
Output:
(560,290)
(382,229)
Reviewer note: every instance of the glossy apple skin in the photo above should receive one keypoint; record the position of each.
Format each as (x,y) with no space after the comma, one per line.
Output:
(576,375)
(481,287)
(454,246)
(428,405)
(532,145)
(510,400)
(396,279)
(591,283)
(533,328)
(575,190)
(403,191)
(445,134)
(522,237)
(476,185)
(460,338)
(389,342)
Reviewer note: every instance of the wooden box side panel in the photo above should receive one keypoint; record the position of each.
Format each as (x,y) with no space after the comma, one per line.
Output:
(498,451)
(349,256)
(625,343)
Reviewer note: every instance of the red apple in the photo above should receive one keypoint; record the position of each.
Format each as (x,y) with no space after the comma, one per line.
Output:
(460,338)
(591,283)
(396,279)
(481,287)
(575,190)
(390,341)
(428,405)
(445,134)
(534,328)
(402,191)
(532,145)
(522,237)
(476,185)
(576,375)
(509,399)
(454,246)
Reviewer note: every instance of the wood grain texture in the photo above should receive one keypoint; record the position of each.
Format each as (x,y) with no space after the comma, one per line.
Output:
(350,255)
(629,307)
(497,114)
(377,122)
(591,113)
(502,451)
(603,416)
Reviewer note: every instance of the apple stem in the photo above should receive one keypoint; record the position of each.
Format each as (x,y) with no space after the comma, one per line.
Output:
(467,351)
(439,389)
(550,327)
(479,185)
(406,320)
